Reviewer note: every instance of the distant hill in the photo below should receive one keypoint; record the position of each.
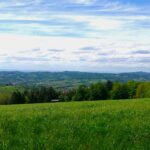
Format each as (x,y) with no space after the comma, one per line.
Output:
(66,79)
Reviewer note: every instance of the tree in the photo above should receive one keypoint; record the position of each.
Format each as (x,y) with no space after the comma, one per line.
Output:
(143,90)
(98,91)
(17,98)
(81,93)
(132,86)
(109,85)
(67,95)
(119,91)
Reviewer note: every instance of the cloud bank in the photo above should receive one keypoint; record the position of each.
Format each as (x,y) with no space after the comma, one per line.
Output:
(84,35)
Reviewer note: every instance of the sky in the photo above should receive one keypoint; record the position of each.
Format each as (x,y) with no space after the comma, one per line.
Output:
(75,35)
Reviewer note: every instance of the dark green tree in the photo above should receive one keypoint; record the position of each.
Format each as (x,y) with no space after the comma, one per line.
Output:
(98,91)
(81,93)
(119,91)
(17,98)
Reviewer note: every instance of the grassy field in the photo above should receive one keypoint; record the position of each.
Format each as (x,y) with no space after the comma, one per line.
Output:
(100,125)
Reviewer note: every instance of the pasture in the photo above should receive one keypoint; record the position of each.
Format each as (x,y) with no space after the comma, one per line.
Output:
(94,125)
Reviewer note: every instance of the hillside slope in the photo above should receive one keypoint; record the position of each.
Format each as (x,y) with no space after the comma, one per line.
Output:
(106,125)
(66,79)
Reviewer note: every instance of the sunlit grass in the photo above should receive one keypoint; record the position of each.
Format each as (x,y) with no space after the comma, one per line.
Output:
(76,125)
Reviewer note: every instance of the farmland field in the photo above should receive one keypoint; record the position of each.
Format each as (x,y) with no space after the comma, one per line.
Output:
(104,125)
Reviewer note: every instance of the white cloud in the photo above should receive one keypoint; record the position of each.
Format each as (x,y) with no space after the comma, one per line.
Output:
(35,50)
(85,2)
(112,28)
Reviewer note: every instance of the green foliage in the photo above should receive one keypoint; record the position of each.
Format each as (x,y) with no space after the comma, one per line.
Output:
(106,125)
(5,98)
(119,91)
(40,95)
(17,98)
(143,90)
(67,95)
(98,91)
(109,85)
(81,93)
(132,87)
(6,93)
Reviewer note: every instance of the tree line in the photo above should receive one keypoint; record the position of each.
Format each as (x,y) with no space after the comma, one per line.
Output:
(96,91)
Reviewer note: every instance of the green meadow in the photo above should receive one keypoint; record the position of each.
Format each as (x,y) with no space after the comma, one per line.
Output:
(94,125)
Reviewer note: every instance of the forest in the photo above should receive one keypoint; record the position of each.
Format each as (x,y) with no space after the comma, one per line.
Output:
(96,91)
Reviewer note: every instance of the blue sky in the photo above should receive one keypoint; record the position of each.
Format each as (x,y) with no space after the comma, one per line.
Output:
(81,35)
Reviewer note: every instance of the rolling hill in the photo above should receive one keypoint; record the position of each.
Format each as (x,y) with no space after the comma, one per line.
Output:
(66,79)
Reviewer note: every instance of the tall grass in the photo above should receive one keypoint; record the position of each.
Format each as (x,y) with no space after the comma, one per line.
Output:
(104,125)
